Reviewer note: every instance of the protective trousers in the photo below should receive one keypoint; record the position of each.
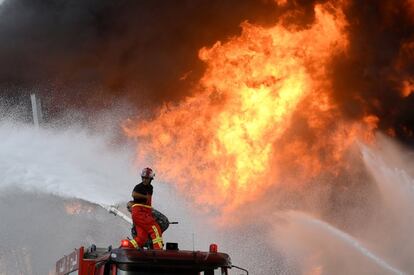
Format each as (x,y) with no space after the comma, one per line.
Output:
(145,226)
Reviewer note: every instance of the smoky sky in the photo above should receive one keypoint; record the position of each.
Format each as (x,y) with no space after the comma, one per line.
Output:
(89,53)
(96,50)
(368,80)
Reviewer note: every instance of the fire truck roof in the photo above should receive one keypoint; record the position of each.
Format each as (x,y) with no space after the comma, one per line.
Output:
(144,260)
(169,258)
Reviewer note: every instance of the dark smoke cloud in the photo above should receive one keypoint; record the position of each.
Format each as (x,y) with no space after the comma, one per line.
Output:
(370,78)
(92,51)
(87,54)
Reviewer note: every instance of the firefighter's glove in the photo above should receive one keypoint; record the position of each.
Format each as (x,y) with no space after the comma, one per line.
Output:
(129,206)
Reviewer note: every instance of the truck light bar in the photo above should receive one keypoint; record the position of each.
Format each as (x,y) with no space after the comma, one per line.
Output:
(125,243)
(213,248)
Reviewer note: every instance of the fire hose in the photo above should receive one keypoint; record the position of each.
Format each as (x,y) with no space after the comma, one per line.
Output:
(160,218)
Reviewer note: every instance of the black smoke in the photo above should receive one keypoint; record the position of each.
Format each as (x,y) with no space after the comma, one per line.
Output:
(88,54)
(92,52)
(369,79)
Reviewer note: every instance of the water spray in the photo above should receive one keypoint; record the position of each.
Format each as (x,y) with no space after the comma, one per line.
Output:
(303,218)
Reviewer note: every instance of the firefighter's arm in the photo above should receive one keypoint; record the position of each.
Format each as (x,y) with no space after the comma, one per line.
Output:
(137,195)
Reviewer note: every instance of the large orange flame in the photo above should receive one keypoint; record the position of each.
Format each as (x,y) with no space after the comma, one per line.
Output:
(229,142)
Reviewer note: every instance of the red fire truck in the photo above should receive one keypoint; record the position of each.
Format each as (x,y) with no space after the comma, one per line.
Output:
(145,261)
(128,261)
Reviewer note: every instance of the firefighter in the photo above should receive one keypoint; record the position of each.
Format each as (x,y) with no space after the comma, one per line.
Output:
(141,210)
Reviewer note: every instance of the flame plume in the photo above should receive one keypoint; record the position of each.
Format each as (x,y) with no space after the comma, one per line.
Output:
(262,107)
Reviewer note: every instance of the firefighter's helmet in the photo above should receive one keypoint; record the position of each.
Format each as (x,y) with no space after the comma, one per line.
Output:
(147,173)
